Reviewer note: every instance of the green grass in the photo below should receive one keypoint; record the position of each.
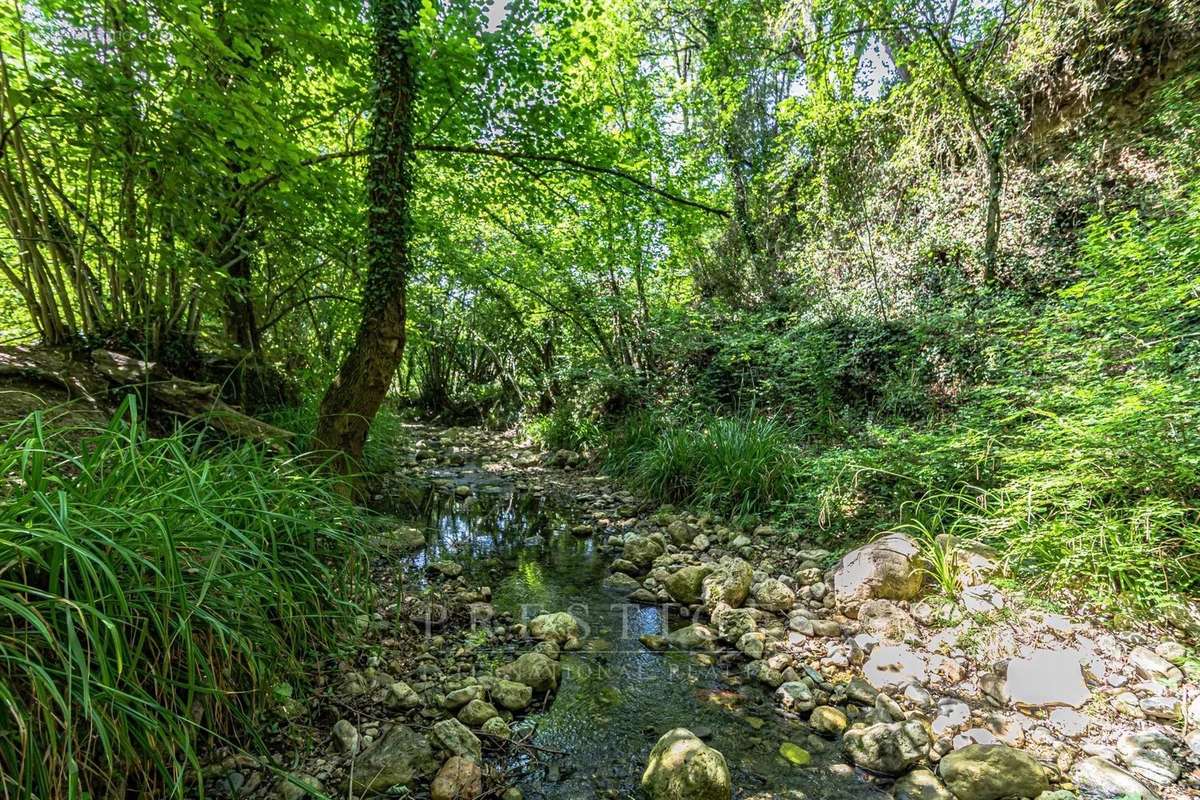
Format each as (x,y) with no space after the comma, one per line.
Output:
(739,466)
(152,590)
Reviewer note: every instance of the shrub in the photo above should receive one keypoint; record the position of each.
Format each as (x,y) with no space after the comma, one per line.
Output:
(151,590)
(734,465)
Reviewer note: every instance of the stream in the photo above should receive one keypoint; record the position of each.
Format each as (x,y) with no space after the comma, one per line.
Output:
(616,696)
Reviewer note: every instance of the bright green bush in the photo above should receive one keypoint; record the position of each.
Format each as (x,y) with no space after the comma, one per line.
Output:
(563,429)
(152,590)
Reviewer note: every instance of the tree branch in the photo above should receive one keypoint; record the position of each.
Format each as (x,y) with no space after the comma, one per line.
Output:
(515,157)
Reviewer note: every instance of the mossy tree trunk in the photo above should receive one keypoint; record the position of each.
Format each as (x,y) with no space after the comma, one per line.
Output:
(354,397)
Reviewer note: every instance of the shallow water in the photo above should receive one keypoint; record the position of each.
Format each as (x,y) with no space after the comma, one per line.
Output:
(617,697)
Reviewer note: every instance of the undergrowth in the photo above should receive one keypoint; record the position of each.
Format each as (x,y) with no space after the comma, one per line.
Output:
(151,591)
(1077,436)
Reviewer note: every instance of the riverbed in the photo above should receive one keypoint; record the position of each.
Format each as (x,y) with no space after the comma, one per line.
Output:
(617,696)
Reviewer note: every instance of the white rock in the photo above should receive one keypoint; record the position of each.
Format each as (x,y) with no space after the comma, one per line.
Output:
(894,666)
(1047,678)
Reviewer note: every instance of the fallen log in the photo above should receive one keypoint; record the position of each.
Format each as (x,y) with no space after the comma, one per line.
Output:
(106,372)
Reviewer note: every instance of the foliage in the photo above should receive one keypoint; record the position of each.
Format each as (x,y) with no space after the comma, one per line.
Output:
(153,590)
(735,465)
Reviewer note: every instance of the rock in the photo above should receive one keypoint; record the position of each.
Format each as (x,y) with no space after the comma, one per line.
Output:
(1162,707)
(1148,755)
(886,568)
(764,673)
(684,585)
(1151,665)
(973,562)
(861,692)
(1173,652)
(920,784)
(681,767)
(681,533)
(773,595)
(345,737)
(728,584)
(497,727)
(734,623)
(536,670)
(1101,779)
(795,696)
(511,695)
(400,757)
(477,712)
(449,569)
(460,697)
(619,580)
(982,599)
(951,715)
(795,754)
(828,720)
(462,490)
(558,627)
(458,779)
(299,786)
(992,771)
(1047,678)
(456,739)
(692,637)
(401,695)
(886,620)
(894,666)
(888,748)
(752,644)
(642,550)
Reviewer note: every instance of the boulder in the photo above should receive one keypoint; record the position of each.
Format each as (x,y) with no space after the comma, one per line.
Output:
(734,623)
(828,721)
(1047,678)
(773,595)
(400,757)
(887,568)
(692,637)
(458,779)
(1101,779)
(894,666)
(728,584)
(401,695)
(887,748)
(920,784)
(992,771)
(619,580)
(887,621)
(684,585)
(456,739)
(1148,755)
(681,533)
(795,696)
(477,712)
(536,670)
(558,627)
(511,695)
(642,550)
(681,767)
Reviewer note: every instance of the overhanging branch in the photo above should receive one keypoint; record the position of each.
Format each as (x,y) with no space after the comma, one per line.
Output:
(517,157)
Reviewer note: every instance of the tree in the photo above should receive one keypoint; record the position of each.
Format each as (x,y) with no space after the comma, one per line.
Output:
(356,393)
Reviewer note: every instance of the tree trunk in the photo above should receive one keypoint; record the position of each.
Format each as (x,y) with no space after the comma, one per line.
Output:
(991,234)
(354,397)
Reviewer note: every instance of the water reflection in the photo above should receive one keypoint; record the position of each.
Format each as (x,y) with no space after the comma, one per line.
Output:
(617,697)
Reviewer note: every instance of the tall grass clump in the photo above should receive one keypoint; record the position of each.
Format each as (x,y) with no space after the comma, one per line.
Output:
(733,465)
(152,590)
